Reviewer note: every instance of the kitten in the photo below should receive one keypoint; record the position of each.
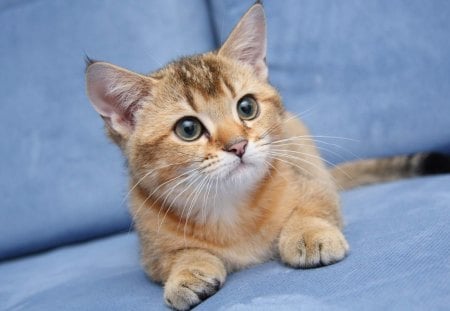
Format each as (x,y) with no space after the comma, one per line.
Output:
(221,176)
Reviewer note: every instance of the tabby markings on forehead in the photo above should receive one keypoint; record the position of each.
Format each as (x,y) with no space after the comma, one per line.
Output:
(186,71)
(190,99)
(203,76)
(198,74)
(229,86)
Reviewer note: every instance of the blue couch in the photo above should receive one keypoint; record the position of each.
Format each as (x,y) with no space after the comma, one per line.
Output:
(375,73)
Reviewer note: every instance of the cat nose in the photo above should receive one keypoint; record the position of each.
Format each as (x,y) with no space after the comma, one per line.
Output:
(238,148)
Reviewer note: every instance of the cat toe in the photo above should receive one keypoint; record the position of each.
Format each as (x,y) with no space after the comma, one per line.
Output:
(314,247)
(190,288)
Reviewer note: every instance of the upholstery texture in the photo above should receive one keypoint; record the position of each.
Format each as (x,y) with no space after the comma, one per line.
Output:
(61,180)
(377,72)
(374,71)
(400,242)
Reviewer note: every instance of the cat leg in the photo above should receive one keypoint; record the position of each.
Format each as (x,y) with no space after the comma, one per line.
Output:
(194,275)
(312,236)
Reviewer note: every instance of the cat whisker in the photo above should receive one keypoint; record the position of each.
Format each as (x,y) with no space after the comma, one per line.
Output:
(168,192)
(297,115)
(286,145)
(174,178)
(195,179)
(196,192)
(277,170)
(314,138)
(188,199)
(277,156)
(318,142)
(137,213)
(216,190)
(148,174)
(199,192)
(197,195)
(313,156)
(271,129)
(287,156)
(206,198)
(157,62)
(156,189)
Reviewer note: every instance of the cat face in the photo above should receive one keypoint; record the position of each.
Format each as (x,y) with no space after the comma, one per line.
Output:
(200,125)
(213,127)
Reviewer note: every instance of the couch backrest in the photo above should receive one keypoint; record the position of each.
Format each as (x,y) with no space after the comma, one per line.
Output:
(377,72)
(60,179)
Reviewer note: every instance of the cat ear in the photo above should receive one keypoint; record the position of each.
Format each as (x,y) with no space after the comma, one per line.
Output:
(115,94)
(247,42)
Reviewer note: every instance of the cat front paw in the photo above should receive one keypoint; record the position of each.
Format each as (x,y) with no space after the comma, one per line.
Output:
(188,287)
(313,246)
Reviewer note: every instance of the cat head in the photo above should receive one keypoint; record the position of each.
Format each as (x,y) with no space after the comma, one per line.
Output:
(199,121)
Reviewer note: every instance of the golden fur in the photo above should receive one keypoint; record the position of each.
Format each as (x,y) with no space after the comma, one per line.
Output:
(203,210)
(199,210)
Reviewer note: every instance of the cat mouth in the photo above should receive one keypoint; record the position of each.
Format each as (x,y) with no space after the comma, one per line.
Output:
(240,167)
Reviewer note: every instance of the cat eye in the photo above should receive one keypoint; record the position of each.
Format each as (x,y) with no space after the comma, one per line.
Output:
(247,108)
(189,128)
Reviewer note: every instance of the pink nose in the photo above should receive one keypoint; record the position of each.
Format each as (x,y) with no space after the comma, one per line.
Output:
(238,148)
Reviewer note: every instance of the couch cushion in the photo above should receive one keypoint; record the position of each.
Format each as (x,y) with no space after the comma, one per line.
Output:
(98,275)
(61,180)
(399,237)
(376,72)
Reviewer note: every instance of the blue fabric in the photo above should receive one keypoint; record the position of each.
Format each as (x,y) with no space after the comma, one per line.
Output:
(61,180)
(398,233)
(98,275)
(377,72)
(374,71)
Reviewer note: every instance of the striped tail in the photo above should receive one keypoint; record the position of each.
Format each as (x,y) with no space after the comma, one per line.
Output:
(365,172)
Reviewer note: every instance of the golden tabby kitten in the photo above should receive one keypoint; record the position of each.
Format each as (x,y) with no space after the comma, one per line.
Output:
(221,176)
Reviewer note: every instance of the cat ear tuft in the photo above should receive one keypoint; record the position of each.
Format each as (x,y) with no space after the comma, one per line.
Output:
(88,61)
(247,43)
(115,94)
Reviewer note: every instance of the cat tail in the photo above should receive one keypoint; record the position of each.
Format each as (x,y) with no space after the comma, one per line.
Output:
(353,174)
